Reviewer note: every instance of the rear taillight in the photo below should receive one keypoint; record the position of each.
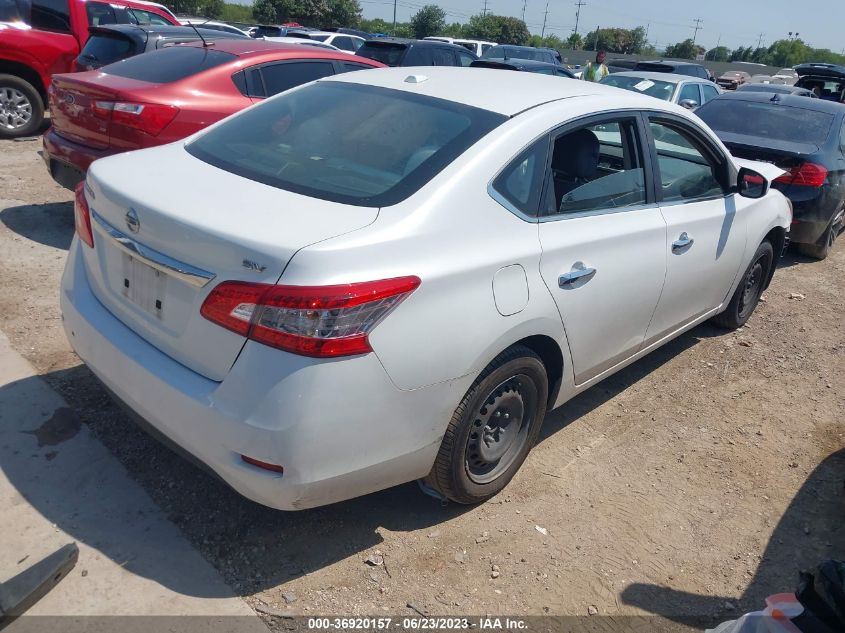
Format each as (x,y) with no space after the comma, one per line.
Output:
(319,321)
(805,175)
(150,118)
(82,215)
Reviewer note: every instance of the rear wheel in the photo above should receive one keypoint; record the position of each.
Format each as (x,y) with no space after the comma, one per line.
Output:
(821,249)
(747,294)
(21,107)
(493,428)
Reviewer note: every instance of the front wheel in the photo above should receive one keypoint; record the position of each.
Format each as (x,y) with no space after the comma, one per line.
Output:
(747,294)
(493,428)
(21,107)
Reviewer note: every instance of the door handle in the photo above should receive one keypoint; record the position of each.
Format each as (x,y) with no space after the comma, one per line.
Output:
(683,242)
(579,272)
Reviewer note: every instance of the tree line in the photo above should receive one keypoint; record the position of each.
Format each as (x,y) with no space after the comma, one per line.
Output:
(432,20)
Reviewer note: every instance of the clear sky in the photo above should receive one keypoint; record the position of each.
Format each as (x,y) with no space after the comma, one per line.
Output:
(732,23)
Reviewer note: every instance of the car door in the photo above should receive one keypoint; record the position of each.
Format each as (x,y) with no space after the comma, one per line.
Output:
(442,56)
(603,239)
(706,233)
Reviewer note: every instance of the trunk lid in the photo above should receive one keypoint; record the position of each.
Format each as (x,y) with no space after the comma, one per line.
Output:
(188,222)
(73,100)
(784,154)
(72,112)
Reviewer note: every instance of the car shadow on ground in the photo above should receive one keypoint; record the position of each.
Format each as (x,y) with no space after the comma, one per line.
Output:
(615,384)
(254,547)
(50,224)
(810,531)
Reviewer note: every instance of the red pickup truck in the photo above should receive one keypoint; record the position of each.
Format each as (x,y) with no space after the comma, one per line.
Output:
(39,38)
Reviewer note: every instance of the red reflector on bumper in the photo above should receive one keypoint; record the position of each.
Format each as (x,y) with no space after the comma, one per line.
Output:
(265,465)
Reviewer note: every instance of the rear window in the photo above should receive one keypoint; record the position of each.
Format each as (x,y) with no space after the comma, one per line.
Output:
(777,122)
(389,54)
(651,87)
(105,48)
(516,52)
(169,64)
(346,143)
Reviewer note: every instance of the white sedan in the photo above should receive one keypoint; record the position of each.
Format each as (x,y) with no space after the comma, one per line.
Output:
(393,274)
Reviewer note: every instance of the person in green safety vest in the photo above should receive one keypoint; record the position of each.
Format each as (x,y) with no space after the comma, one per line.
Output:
(598,70)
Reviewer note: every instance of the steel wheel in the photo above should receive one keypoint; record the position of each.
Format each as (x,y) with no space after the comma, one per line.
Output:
(493,428)
(747,294)
(752,287)
(500,429)
(15,109)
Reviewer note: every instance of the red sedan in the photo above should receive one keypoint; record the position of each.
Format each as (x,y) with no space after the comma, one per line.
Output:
(166,95)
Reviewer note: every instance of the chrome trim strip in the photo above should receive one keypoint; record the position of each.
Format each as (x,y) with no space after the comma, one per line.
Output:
(166,264)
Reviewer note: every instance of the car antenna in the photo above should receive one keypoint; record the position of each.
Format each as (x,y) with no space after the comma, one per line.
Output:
(204,43)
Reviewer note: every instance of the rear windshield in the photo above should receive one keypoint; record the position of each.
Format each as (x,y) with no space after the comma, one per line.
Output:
(169,64)
(103,48)
(346,143)
(389,54)
(765,120)
(320,38)
(651,87)
(517,52)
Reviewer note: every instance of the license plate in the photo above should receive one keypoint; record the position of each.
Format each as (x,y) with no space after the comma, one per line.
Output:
(143,285)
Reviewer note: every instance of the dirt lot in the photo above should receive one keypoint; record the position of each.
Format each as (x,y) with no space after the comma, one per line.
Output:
(695,482)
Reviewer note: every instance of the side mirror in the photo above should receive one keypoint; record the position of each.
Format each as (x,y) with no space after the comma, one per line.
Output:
(689,104)
(751,184)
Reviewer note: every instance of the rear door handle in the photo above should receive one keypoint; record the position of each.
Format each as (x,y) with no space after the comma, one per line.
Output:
(683,242)
(579,272)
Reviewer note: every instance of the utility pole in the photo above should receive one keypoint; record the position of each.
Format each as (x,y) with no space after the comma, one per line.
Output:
(760,41)
(393,32)
(596,40)
(545,16)
(697,28)
(524,6)
(578,6)
(484,12)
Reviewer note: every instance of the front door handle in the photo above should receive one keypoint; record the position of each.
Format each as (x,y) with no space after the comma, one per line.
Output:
(579,272)
(682,243)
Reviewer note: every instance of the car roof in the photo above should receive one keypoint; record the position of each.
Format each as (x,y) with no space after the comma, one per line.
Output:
(516,62)
(786,100)
(668,62)
(671,78)
(165,30)
(248,47)
(507,93)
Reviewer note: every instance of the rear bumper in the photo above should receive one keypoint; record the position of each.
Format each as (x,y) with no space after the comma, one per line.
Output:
(339,428)
(812,211)
(68,161)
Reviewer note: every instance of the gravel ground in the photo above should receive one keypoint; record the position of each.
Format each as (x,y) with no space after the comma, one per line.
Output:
(696,482)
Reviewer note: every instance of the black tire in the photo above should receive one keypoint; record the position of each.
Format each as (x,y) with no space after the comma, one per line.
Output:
(21,108)
(747,294)
(821,249)
(502,412)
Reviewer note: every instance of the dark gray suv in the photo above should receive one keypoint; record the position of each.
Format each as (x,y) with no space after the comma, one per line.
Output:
(112,42)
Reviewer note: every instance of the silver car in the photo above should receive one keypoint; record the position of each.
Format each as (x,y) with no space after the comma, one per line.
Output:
(689,92)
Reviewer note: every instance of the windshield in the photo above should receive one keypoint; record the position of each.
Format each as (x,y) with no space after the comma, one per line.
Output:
(653,88)
(782,123)
(345,142)
(388,54)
